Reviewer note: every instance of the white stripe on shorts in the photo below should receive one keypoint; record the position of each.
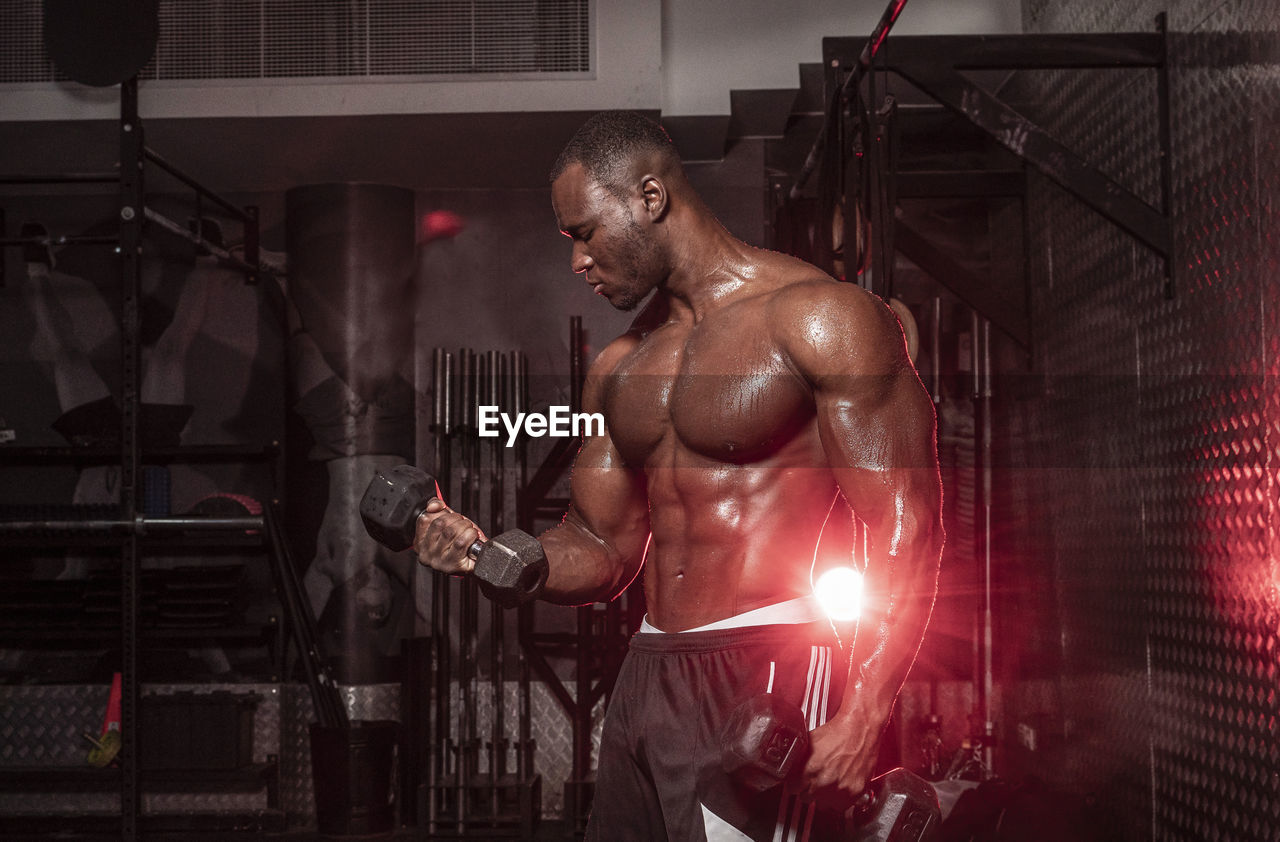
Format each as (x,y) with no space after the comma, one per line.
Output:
(795,820)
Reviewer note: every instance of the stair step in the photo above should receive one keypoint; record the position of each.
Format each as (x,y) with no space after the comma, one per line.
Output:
(760,113)
(811,98)
(698,138)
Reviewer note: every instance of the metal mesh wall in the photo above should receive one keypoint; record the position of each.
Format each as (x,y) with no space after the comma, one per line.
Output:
(1157,431)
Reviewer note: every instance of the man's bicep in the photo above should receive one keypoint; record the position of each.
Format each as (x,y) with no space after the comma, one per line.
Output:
(875,419)
(607,499)
(879,436)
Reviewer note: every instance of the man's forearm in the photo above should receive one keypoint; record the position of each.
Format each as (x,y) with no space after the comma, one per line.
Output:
(898,601)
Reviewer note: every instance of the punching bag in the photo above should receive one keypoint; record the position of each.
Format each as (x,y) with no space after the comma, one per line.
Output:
(351,267)
(100,42)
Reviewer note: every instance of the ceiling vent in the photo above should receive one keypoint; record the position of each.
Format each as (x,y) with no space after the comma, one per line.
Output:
(364,39)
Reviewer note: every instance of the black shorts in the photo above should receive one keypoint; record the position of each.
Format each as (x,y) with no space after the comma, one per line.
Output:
(659,775)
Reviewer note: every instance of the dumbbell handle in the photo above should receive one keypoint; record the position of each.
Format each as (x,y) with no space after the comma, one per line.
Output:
(477,546)
(473,551)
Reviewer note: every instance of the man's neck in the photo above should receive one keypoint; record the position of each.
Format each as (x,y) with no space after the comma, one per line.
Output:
(710,267)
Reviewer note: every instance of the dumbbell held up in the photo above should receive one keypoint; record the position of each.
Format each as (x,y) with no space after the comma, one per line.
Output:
(511,568)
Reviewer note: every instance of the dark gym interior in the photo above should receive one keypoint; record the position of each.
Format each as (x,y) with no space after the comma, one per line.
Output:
(218,323)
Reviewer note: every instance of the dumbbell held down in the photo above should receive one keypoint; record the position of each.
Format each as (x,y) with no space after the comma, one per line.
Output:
(765,740)
(511,568)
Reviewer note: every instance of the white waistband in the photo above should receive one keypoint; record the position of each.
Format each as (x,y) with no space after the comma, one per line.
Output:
(803,609)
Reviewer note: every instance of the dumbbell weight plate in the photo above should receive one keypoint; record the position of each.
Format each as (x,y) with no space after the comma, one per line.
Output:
(903,807)
(763,741)
(391,504)
(511,568)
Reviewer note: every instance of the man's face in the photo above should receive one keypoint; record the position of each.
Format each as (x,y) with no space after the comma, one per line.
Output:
(614,252)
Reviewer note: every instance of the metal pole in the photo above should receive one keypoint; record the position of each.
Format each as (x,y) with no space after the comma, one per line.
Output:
(499,388)
(582,707)
(201,190)
(524,615)
(488,456)
(62,240)
(1166,153)
(251,270)
(880,146)
(444,416)
(132,197)
(330,712)
(467,599)
(140,526)
(874,41)
(435,768)
(982,447)
(62,178)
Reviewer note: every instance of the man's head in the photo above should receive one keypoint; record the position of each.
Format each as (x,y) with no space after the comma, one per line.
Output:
(612,144)
(610,190)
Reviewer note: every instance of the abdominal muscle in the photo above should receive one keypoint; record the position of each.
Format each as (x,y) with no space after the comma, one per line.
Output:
(731,538)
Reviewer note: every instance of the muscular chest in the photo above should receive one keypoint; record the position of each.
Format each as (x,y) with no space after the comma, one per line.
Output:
(720,389)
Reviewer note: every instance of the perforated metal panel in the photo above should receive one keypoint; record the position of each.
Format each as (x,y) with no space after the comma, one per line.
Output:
(274,39)
(1162,421)
(22,54)
(44,726)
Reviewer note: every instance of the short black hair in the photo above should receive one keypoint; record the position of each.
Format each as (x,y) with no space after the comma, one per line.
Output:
(609,142)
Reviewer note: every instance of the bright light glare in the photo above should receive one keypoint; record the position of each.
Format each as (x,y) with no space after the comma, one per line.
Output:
(839,592)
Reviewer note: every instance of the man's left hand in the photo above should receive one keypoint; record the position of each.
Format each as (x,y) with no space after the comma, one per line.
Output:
(840,762)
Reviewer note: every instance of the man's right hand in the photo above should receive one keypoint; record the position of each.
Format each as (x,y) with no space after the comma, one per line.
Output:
(442,538)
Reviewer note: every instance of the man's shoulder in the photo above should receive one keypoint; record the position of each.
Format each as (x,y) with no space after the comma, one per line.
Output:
(812,297)
(822,324)
(613,353)
(646,322)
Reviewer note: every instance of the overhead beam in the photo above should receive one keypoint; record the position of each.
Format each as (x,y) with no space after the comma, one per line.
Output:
(1009,52)
(934,64)
(1034,145)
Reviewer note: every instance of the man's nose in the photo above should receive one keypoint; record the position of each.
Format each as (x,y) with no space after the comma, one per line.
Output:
(581,261)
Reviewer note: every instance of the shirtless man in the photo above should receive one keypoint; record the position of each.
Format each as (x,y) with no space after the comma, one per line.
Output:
(749,394)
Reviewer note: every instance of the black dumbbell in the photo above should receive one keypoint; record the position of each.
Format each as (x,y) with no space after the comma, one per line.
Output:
(511,568)
(765,740)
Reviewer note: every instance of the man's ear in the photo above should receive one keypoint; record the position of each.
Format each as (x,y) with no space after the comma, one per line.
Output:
(654,194)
